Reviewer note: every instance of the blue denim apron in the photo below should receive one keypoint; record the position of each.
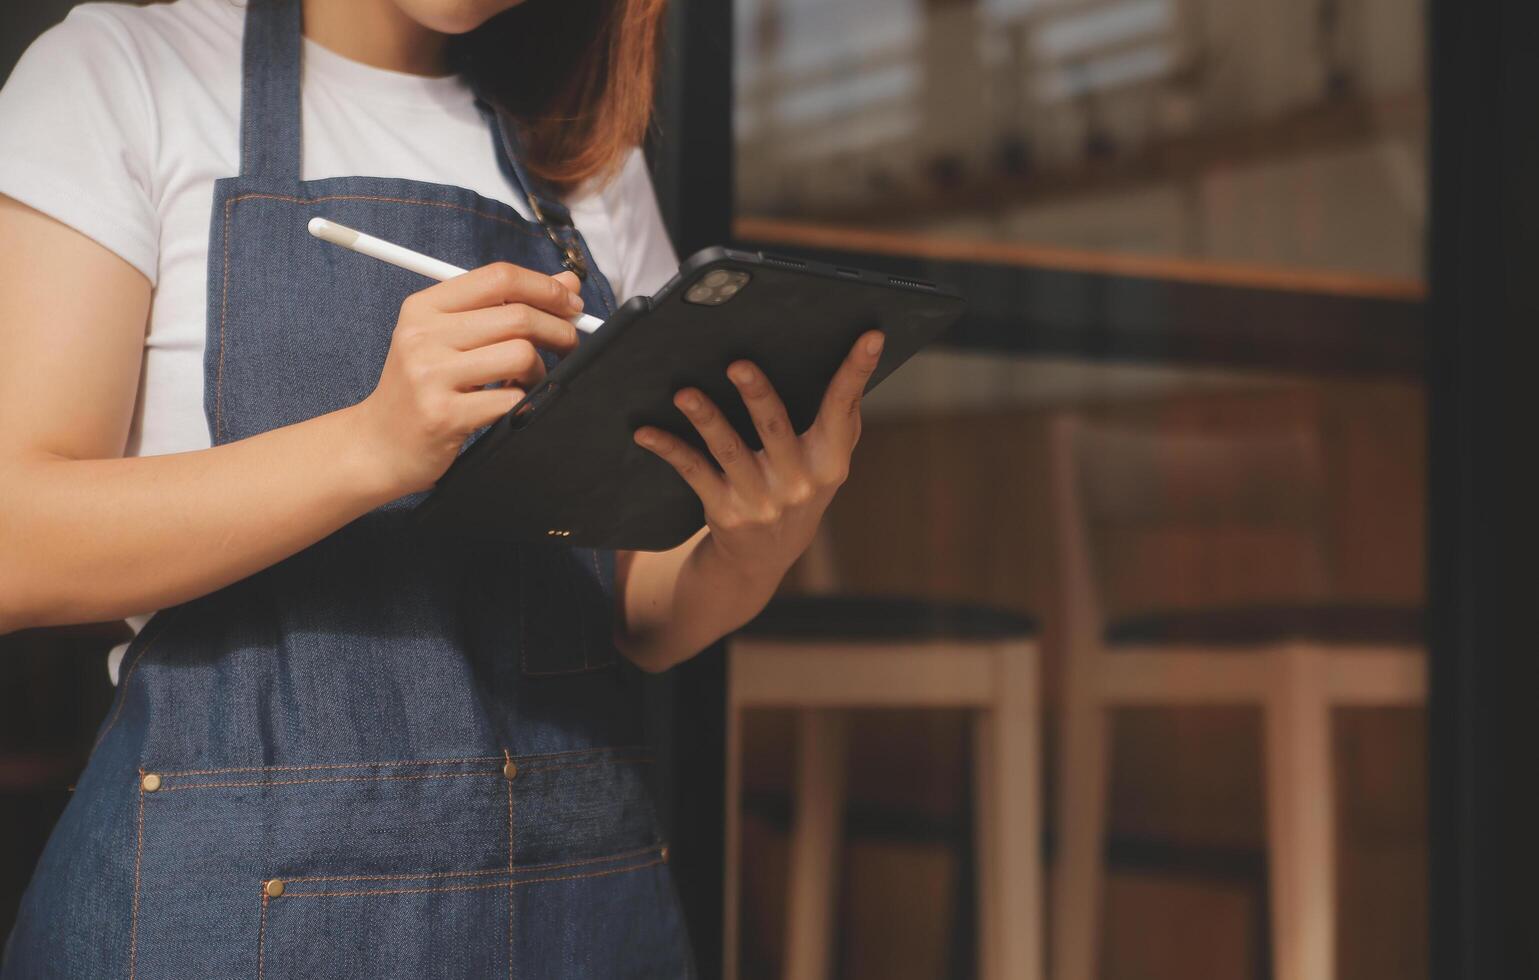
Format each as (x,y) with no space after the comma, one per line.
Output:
(388,755)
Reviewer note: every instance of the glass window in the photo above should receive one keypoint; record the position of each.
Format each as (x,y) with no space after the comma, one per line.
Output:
(1276,133)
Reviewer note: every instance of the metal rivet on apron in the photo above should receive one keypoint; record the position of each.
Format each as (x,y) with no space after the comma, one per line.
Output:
(510,769)
(150,782)
(274,888)
(576,262)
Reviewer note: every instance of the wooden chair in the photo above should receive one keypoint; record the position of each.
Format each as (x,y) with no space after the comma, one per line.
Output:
(823,654)
(1295,658)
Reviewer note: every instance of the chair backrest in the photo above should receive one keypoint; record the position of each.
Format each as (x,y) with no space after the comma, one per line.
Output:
(1114,483)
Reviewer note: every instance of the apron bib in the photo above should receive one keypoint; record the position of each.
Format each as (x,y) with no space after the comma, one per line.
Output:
(388,755)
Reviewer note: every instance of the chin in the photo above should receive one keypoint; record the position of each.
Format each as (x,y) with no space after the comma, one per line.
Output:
(454,16)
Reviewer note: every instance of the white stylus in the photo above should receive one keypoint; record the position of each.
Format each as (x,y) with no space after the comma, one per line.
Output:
(405,258)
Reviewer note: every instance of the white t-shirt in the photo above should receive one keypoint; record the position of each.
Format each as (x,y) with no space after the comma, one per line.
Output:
(118,120)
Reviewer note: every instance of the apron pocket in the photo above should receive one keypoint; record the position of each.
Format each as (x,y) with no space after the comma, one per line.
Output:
(602,917)
(566,609)
(420,929)
(444,867)
(207,841)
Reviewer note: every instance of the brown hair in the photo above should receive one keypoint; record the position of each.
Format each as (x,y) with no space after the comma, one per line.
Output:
(577,75)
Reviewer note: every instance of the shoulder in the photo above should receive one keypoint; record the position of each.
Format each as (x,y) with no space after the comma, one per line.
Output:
(111,69)
(141,39)
(182,22)
(81,113)
(91,34)
(109,73)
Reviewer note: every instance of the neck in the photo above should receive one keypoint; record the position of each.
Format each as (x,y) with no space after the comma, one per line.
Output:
(376,33)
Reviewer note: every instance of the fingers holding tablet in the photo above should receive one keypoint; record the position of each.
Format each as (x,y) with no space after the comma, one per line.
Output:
(837,428)
(782,448)
(691,466)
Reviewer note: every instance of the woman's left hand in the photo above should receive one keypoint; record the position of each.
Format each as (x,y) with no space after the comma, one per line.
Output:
(763,507)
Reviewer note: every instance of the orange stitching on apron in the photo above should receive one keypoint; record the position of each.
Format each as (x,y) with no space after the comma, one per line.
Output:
(333,779)
(473,888)
(509,885)
(386,779)
(538,757)
(510,919)
(403,762)
(519,223)
(422,876)
(262,935)
(509,758)
(133,928)
(333,765)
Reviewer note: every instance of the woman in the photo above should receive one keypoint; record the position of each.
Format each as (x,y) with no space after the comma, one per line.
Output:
(340,747)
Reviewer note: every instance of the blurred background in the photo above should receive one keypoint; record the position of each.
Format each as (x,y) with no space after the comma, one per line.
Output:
(1110,660)
(1214,527)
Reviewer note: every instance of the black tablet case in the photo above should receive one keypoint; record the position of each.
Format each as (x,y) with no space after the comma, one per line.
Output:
(563,464)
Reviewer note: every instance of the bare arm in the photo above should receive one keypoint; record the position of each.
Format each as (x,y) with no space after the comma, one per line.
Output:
(676,603)
(87,536)
(762,509)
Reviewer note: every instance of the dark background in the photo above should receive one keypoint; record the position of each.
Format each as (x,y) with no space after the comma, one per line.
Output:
(1481,355)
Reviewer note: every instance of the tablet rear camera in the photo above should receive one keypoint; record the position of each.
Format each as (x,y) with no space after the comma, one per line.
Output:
(716,287)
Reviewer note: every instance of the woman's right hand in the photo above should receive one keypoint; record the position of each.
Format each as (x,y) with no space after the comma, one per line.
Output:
(451,339)
(89,537)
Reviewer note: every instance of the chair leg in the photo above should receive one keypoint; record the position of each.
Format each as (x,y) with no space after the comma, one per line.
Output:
(815,838)
(1082,780)
(1301,819)
(1007,828)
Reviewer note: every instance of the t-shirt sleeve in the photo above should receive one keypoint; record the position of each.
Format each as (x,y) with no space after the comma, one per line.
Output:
(76,128)
(647,258)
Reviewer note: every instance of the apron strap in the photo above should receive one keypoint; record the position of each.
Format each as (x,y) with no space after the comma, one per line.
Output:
(510,155)
(554,217)
(269,102)
(270,125)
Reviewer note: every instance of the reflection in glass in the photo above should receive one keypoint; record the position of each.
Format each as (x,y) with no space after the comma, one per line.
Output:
(1274,132)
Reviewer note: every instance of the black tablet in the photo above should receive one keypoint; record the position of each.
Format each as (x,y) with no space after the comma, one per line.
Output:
(563,464)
